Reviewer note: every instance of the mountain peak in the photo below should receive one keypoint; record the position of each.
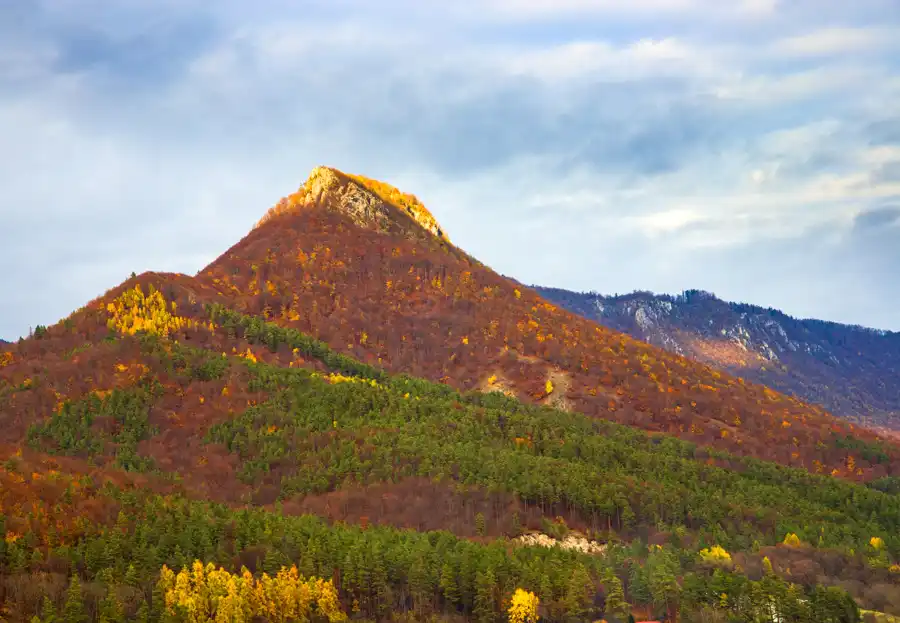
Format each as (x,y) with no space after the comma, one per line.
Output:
(369,203)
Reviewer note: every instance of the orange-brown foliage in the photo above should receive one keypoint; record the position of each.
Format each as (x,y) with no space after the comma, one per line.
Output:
(409,304)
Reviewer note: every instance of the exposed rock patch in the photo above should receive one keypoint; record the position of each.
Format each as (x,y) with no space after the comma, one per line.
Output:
(570,542)
(367,203)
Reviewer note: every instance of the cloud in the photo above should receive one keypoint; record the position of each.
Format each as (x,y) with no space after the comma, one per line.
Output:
(658,144)
(877,220)
(557,9)
(834,41)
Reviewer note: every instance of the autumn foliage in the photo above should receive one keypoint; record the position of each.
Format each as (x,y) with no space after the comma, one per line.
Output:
(204,594)
(322,366)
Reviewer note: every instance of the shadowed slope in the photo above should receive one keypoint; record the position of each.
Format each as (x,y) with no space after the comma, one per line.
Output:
(854,372)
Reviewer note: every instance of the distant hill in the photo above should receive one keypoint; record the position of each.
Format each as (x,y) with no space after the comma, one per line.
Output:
(346,395)
(852,371)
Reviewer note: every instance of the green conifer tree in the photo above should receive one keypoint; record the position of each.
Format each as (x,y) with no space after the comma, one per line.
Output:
(616,606)
(479,524)
(449,586)
(74,610)
(143,613)
(485,608)
(48,611)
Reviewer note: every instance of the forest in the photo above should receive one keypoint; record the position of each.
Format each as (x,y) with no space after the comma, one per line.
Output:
(334,422)
(688,532)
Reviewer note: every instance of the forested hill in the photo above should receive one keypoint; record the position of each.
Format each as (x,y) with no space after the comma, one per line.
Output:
(347,417)
(344,259)
(852,371)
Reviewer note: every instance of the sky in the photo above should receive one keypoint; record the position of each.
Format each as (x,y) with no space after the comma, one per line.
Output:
(749,148)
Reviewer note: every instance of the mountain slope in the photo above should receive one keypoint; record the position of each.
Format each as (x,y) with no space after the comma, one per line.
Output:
(852,371)
(395,295)
(177,418)
(165,410)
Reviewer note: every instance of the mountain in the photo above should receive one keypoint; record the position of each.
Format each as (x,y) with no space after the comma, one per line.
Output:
(852,371)
(331,261)
(346,391)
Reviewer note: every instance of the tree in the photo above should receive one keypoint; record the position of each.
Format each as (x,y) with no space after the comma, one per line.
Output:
(110,608)
(485,609)
(716,556)
(662,570)
(449,586)
(420,586)
(523,607)
(74,610)
(638,585)
(143,613)
(616,606)
(48,611)
(578,593)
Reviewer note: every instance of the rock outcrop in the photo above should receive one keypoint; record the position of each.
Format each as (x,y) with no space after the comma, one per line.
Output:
(368,203)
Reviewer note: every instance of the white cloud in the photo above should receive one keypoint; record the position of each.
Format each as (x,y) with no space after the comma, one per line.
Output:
(651,9)
(832,41)
(666,222)
(544,7)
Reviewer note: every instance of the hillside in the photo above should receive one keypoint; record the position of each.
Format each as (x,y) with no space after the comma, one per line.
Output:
(853,372)
(311,399)
(392,294)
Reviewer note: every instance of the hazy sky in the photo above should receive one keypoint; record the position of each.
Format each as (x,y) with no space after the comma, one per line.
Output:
(748,148)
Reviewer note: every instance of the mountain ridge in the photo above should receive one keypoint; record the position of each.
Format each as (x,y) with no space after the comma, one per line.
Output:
(849,369)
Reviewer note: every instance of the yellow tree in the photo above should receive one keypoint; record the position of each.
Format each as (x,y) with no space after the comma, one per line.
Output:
(523,607)
(210,595)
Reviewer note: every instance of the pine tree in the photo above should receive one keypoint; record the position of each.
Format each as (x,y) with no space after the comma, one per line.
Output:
(381,589)
(48,611)
(638,585)
(662,569)
(131,576)
(577,598)
(485,609)
(111,610)
(143,613)
(272,561)
(616,606)
(420,587)
(516,528)
(467,576)
(74,610)
(449,586)
(348,575)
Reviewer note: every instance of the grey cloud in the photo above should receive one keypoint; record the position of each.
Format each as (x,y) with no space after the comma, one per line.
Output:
(888,172)
(876,220)
(884,131)
(142,60)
